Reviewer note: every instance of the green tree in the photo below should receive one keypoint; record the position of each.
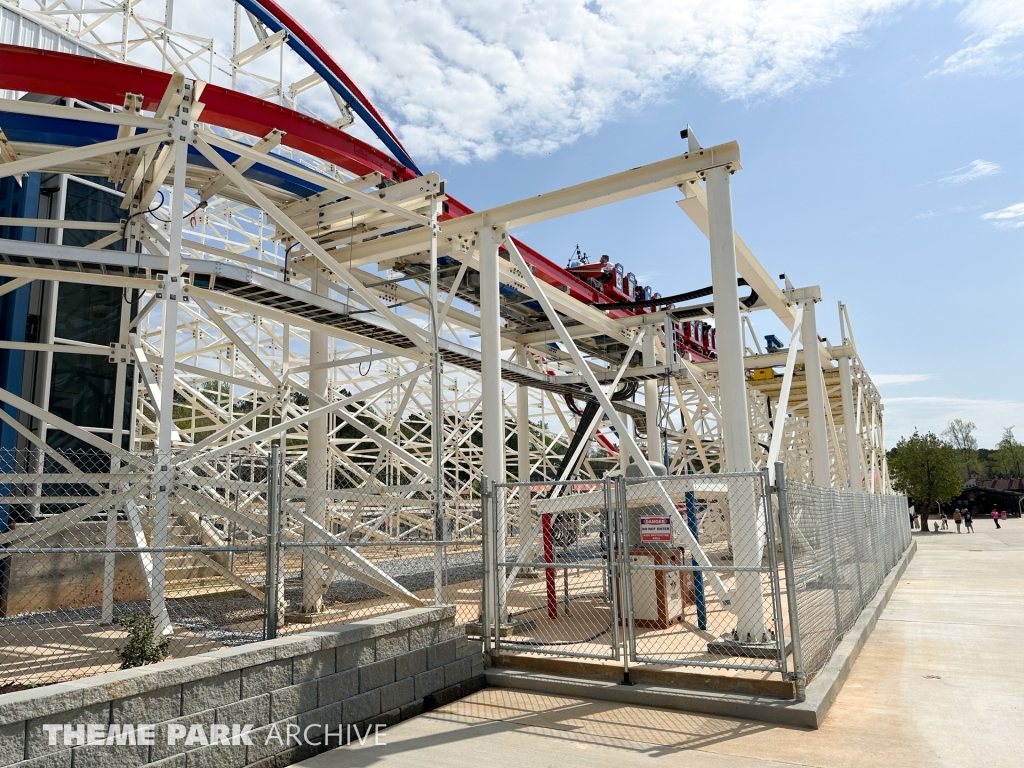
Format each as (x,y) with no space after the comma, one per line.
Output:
(926,469)
(959,434)
(1008,458)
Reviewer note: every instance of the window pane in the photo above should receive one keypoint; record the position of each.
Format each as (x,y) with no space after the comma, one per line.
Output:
(82,389)
(85,203)
(89,313)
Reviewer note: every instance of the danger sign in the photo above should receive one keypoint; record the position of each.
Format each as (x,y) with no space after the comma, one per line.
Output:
(655,529)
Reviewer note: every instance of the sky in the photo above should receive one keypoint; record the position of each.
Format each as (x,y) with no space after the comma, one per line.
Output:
(880,151)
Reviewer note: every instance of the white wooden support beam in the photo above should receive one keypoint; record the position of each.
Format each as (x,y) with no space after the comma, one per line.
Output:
(415,334)
(652,404)
(259,48)
(284,426)
(664,174)
(822,471)
(39,109)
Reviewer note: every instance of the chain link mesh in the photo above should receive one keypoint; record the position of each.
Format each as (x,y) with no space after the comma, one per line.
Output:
(686,571)
(90,545)
(703,584)
(555,584)
(844,545)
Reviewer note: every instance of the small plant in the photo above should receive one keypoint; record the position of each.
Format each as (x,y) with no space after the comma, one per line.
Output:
(141,647)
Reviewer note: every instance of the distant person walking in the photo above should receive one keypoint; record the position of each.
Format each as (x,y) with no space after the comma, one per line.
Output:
(969,521)
(957,518)
(945,523)
(995,517)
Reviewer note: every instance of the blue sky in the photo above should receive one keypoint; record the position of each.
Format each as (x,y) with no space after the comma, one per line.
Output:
(851,184)
(880,138)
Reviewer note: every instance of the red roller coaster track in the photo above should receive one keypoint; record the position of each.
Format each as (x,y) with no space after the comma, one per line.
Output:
(107,82)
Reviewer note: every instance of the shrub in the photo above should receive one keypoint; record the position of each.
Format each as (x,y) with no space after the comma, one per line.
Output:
(141,647)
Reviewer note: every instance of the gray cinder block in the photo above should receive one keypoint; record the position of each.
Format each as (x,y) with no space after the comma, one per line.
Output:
(266,677)
(457,672)
(397,694)
(338,686)
(361,707)
(392,645)
(293,700)
(428,682)
(410,664)
(375,675)
(440,654)
(225,688)
(313,665)
(153,707)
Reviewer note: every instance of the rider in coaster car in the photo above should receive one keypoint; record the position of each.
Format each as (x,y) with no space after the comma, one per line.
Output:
(607,269)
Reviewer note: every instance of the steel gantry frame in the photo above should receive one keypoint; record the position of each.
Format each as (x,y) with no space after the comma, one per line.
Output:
(297,286)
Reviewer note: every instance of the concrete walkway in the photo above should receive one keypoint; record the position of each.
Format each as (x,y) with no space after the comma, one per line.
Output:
(939,683)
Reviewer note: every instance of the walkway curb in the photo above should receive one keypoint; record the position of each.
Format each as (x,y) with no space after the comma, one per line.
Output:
(821,692)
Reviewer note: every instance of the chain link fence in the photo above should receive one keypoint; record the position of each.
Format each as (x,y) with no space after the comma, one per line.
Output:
(224,550)
(673,570)
(555,582)
(690,571)
(218,551)
(844,545)
(701,575)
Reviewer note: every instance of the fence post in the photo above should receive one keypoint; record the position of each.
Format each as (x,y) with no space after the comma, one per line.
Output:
(625,576)
(612,578)
(487,592)
(273,544)
(799,674)
(773,564)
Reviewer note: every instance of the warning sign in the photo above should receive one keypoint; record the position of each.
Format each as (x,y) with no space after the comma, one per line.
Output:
(654,529)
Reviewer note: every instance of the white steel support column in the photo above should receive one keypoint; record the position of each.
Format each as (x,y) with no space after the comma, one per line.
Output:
(655,450)
(122,354)
(523,443)
(820,465)
(747,525)
(436,407)
(491,409)
(850,425)
(317,457)
(163,476)
(873,461)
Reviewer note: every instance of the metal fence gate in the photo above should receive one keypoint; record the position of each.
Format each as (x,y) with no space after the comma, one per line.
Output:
(703,590)
(719,571)
(639,569)
(556,581)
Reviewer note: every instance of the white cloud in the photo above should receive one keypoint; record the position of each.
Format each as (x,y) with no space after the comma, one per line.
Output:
(466,80)
(975,170)
(995,43)
(931,414)
(891,379)
(1010,217)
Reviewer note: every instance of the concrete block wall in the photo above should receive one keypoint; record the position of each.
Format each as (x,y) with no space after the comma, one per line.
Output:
(377,671)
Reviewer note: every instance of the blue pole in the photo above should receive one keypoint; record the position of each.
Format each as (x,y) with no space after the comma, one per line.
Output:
(698,577)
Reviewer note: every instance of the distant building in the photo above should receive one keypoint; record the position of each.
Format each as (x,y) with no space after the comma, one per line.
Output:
(1003,493)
